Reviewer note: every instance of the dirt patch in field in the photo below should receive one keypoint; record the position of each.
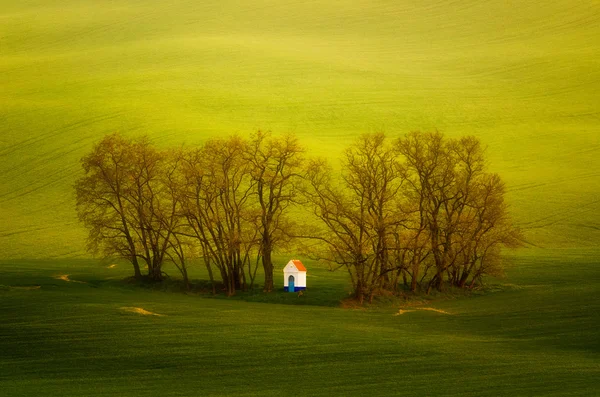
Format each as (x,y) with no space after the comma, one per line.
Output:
(431,309)
(65,277)
(402,311)
(28,288)
(139,310)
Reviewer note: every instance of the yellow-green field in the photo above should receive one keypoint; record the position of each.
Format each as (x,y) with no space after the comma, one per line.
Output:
(522,76)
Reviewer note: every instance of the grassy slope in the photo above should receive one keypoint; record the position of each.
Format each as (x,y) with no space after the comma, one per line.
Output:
(522,77)
(539,338)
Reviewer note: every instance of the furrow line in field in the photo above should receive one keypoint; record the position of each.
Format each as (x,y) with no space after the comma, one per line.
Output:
(24,231)
(40,42)
(532,185)
(32,190)
(58,131)
(571,213)
(43,163)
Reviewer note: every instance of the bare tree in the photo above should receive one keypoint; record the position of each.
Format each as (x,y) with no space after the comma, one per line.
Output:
(374,176)
(148,204)
(102,200)
(430,168)
(215,203)
(120,200)
(275,166)
(422,211)
(180,245)
(359,212)
(487,228)
(460,205)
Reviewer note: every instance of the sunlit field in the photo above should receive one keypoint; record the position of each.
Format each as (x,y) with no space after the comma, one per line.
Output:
(523,77)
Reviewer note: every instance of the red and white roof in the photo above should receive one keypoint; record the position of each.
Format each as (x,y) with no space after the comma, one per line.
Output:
(297,264)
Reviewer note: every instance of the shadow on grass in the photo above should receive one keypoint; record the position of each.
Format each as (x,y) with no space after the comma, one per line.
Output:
(324,295)
(330,294)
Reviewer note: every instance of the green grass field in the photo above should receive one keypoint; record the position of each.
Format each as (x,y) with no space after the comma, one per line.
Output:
(524,77)
(534,334)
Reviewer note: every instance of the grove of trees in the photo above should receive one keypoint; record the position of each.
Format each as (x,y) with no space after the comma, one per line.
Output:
(417,213)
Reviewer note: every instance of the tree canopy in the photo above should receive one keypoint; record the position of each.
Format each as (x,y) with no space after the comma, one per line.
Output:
(418,212)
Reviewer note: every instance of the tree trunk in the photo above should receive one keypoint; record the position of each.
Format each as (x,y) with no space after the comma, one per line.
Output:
(360,289)
(439,280)
(267,265)
(436,282)
(236,276)
(210,275)
(463,279)
(154,272)
(251,273)
(414,278)
(229,283)
(136,268)
(186,280)
(360,297)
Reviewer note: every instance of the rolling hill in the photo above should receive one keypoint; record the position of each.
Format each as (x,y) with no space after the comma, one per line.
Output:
(524,78)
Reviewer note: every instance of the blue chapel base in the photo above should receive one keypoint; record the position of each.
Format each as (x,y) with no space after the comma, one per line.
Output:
(296,289)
